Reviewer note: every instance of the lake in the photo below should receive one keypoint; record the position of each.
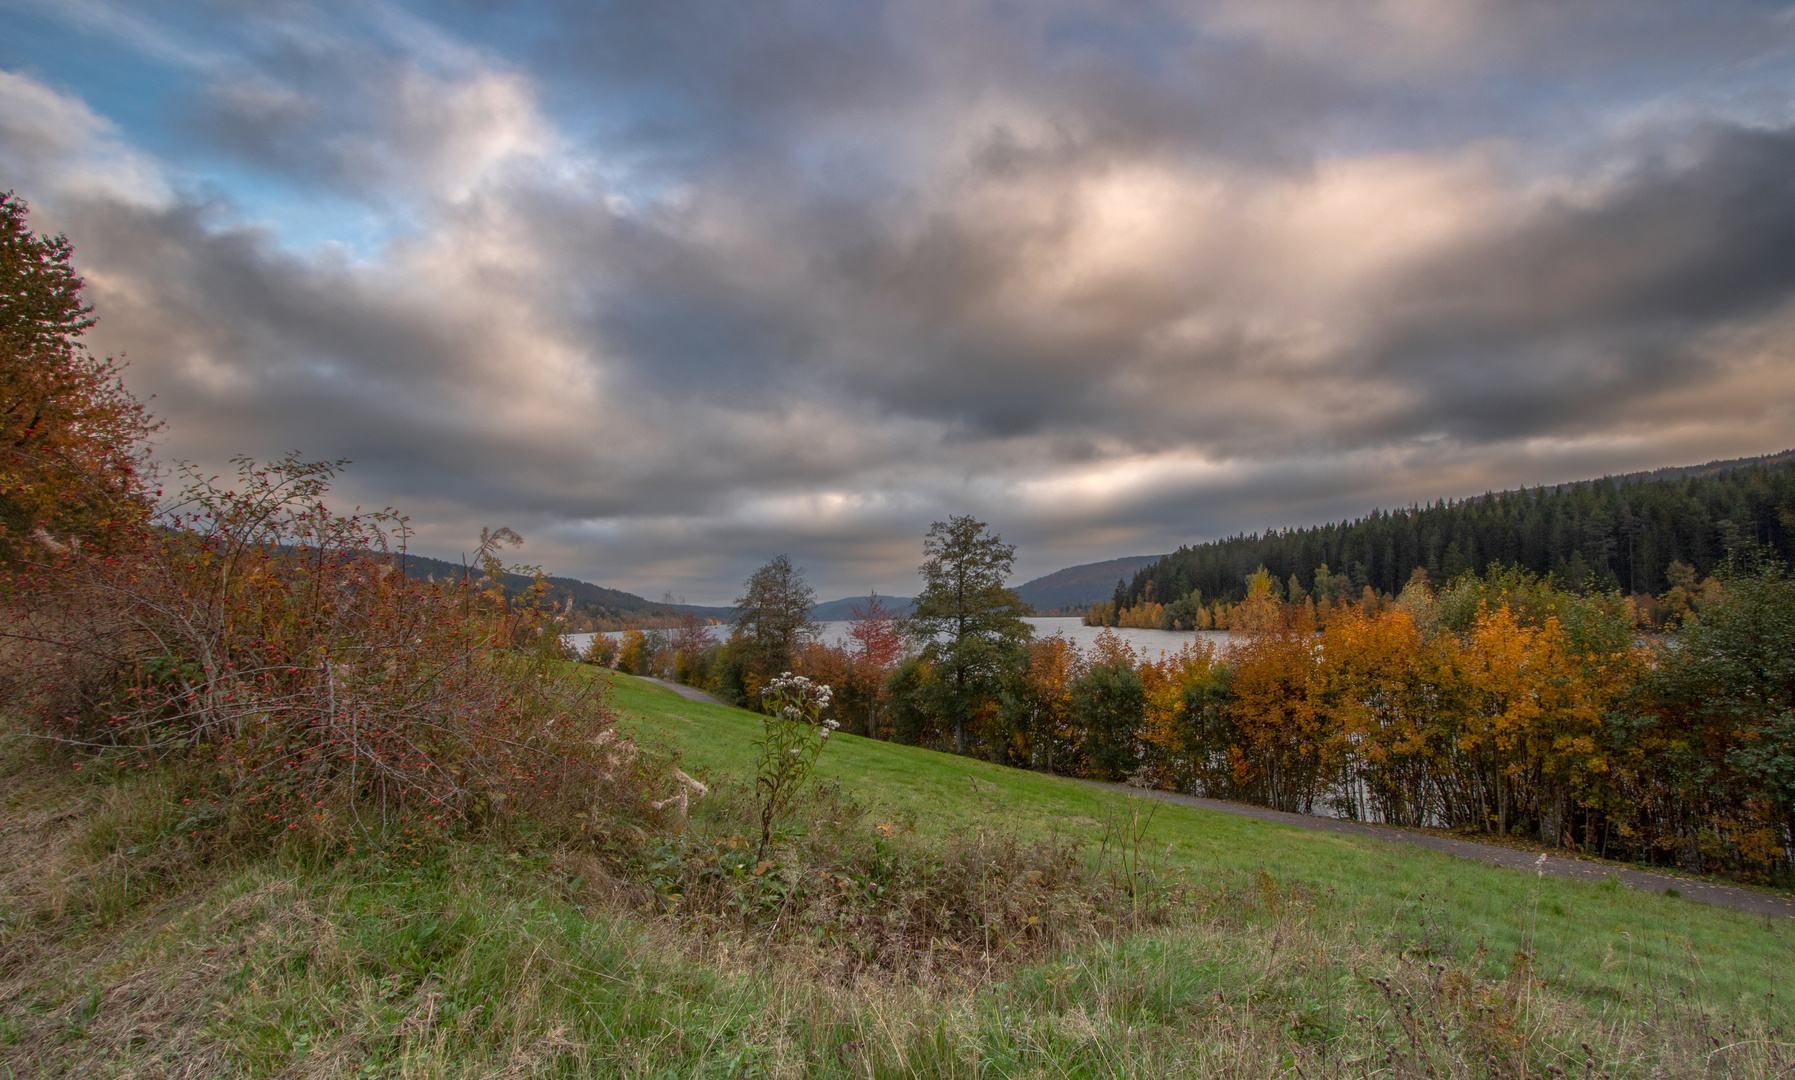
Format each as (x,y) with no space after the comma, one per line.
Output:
(1147,644)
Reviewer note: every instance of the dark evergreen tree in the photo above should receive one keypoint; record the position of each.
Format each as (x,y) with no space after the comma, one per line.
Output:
(773,617)
(1618,533)
(967,620)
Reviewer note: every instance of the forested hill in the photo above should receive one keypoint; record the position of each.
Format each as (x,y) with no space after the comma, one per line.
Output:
(595,601)
(1078,587)
(1619,532)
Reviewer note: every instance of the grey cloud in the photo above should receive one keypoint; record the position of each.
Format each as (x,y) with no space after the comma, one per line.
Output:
(689,79)
(692,81)
(871,275)
(1570,316)
(253,349)
(1467,337)
(320,105)
(1579,311)
(1573,311)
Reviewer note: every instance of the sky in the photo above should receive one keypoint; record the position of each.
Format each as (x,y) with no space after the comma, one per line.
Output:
(672,287)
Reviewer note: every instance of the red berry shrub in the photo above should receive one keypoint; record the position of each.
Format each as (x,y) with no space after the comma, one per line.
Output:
(283,650)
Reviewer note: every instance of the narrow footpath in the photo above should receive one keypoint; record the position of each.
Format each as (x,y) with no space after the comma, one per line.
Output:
(1559,866)
(1757,903)
(688,692)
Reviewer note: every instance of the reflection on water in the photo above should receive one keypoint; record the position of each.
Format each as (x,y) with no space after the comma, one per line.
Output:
(1147,644)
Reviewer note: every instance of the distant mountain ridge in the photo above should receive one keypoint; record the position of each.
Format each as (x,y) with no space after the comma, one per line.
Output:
(1078,587)
(839,610)
(594,600)
(1071,589)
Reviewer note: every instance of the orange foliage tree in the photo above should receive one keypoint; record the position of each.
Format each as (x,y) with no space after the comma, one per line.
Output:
(1381,686)
(1288,748)
(1038,707)
(72,466)
(1184,692)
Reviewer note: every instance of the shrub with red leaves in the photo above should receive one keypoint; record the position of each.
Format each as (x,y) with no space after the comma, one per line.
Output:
(283,648)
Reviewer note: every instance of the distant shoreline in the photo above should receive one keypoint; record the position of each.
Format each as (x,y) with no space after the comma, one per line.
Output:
(1147,643)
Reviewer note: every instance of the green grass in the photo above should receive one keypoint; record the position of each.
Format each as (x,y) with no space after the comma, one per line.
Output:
(1591,938)
(1332,955)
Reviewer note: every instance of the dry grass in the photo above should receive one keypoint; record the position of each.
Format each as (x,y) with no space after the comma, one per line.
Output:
(853,895)
(488,960)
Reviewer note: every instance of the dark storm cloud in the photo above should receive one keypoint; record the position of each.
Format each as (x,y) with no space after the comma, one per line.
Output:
(1581,310)
(675,286)
(689,82)
(1568,315)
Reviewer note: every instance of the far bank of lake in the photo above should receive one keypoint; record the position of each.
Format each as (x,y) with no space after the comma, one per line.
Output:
(1147,644)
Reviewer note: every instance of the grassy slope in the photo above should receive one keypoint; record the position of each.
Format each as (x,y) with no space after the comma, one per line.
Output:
(1591,938)
(486,960)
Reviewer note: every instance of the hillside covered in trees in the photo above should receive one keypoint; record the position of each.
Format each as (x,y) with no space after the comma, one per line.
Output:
(594,607)
(1075,588)
(1617,534)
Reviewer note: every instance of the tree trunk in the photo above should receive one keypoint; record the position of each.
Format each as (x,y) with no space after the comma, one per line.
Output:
(960,713)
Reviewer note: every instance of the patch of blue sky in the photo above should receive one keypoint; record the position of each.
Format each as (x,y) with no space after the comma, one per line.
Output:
(129,86)
(305,220)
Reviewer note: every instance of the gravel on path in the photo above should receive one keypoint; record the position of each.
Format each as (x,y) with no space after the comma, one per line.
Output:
(1557,865)
(1757,903)
(688,692)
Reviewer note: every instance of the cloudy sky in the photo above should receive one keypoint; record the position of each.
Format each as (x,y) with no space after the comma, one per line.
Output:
(671,286)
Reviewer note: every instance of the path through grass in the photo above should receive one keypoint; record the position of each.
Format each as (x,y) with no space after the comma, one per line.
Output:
(1298,952)
(1590,939)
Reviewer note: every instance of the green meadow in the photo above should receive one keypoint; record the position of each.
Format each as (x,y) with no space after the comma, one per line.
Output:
(1591,939)
(1272,951)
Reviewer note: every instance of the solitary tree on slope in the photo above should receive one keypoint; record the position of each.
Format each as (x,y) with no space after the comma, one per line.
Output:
(968,622)
(773,616)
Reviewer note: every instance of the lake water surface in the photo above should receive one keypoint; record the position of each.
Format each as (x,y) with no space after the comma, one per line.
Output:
(1147,644)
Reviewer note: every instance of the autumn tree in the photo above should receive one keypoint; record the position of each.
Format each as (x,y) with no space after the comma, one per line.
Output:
(1038,707)
(1108,705)
(876,645)
(1186,696)
(967,620)
(773,621)
(71,435)
(1725,701)
(1289,748)
(691,643)
(1379,684)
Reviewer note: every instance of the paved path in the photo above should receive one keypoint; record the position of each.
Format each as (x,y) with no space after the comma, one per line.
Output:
(1723,895)
(688,692)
